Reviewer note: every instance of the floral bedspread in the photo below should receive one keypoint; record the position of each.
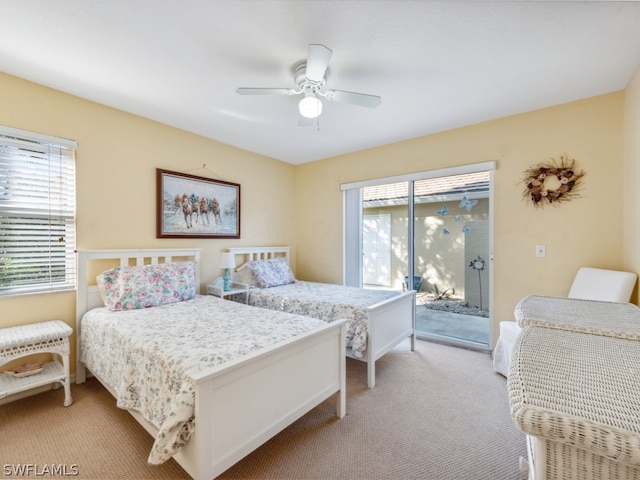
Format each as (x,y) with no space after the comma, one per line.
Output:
(146,355)
(327,302)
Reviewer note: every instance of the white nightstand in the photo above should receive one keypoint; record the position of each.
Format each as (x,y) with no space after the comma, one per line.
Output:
(238,290)
(44,337)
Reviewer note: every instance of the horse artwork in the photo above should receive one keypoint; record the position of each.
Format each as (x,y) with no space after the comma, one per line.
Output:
(203,209)
(192,206)
(215,209)
(187,210)
(193,198)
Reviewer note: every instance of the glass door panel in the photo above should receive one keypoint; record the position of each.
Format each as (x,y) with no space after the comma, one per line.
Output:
(451,257)
(384,235)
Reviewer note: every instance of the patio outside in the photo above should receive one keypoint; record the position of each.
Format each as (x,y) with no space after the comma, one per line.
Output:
(452,318)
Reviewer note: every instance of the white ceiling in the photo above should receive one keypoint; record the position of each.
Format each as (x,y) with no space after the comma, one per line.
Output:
(437,65)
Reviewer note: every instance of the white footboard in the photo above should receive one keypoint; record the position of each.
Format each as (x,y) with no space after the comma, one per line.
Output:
(242,404)
(390,322)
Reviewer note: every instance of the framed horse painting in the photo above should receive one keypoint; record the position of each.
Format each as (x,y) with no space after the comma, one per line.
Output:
(189,206)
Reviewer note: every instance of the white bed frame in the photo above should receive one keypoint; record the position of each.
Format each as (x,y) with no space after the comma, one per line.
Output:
(243,403)
(389,322)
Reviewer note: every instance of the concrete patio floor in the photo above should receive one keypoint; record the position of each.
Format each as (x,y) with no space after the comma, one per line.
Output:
(452,325)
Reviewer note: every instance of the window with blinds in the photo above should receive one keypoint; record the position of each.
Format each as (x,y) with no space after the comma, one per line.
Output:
(37,213)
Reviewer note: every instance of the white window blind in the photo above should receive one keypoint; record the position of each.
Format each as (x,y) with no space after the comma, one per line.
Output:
(37,213)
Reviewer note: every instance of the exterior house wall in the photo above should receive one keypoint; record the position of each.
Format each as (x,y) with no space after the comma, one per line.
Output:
(441,258)
(476,253)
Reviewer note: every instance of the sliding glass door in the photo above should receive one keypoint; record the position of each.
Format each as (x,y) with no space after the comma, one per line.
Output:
(430,232)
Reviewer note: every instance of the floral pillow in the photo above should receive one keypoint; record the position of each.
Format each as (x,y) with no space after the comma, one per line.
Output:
(131,287)
(271,273)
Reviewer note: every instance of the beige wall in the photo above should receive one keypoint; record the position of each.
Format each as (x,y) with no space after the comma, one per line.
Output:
(302,206)
(631,223)
(118,154)
(584,231)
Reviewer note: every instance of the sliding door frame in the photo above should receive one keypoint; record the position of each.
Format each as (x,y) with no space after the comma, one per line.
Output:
(352,214)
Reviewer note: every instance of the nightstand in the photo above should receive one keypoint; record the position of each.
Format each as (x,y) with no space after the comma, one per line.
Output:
(43,337)
(238,290)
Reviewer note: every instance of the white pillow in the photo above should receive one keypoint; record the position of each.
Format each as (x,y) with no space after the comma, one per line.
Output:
(243,275)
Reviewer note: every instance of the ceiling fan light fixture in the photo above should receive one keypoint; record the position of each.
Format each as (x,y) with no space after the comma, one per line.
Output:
(310,76)
(310,106)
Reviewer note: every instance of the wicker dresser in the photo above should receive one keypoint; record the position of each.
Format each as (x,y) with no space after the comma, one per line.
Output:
(574,389)
(621,320)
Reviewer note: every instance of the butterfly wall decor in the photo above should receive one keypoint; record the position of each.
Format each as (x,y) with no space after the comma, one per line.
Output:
(466,203)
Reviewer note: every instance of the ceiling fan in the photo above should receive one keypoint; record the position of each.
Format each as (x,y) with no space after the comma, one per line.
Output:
(310,78)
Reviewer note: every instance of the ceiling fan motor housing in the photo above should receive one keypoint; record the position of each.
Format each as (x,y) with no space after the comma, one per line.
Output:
(304,84)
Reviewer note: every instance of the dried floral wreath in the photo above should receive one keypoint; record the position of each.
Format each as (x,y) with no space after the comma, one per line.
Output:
(552,182)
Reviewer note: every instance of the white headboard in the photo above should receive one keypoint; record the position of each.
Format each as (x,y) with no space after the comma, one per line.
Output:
(259,253)
(88,295)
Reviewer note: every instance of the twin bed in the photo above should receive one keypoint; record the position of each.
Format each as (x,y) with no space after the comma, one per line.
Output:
(378,319)
(207,410)
(211,379)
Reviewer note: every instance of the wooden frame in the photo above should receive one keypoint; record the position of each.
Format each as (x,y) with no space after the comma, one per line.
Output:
(389,322)
(290,378)
(196,207)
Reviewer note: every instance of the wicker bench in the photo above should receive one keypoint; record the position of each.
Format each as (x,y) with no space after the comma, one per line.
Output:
(44,337)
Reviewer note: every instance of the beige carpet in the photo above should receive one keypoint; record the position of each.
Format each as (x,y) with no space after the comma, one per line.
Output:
(437,413)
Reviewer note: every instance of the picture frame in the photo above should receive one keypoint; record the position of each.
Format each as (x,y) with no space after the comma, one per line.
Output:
(189,206)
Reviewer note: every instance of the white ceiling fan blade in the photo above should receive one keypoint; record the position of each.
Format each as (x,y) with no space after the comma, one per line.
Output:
(267,91)
(317,62)
(361,99)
